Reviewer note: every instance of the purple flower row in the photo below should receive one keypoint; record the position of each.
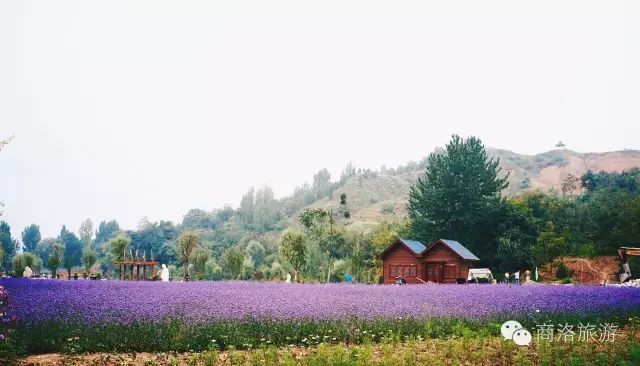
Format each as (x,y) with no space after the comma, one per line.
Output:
(109,302)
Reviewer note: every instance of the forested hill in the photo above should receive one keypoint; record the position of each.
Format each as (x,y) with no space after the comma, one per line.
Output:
(382,195)
(244,241)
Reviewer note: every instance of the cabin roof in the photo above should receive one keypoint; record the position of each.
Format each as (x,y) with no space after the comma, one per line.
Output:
(418,249)
(458,248)
(415,246)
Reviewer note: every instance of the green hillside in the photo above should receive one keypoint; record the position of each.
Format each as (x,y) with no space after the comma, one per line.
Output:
(382,195)
(243,242)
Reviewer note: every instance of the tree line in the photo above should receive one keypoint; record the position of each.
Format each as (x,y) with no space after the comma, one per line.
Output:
(460,197)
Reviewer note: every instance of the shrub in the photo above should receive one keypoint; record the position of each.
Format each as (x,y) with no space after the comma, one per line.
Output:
(587,250)
(562,271)
(387,209)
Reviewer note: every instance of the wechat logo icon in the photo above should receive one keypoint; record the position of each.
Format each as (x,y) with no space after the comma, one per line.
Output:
(514,331)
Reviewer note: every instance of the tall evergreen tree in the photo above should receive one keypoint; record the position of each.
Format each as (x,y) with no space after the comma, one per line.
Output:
(31,238)
(8,245)
(72,249)
(459,197)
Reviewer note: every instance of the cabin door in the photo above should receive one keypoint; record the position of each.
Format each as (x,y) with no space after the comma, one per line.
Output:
(434,273)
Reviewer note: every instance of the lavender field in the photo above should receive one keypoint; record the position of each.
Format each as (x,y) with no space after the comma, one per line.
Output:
(126,302)
(191,315)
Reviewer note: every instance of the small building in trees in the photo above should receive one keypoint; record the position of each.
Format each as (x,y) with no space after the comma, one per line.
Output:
(443,261)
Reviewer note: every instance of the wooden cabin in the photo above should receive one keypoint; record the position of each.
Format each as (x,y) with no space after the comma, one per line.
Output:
(443,261)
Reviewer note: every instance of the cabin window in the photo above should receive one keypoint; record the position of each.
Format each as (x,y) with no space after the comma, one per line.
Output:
(450,271)
(403,271)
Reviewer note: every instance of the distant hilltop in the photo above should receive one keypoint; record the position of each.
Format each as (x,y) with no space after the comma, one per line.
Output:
(375,196)
(545,172)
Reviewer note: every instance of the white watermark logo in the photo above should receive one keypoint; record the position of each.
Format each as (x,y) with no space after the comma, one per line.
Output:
(514,331)
(602,333)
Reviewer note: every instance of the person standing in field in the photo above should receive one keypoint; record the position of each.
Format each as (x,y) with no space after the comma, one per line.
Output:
(516,277)
(348,278)
(506,277)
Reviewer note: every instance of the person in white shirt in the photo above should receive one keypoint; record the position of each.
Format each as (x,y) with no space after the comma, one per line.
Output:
(164,273)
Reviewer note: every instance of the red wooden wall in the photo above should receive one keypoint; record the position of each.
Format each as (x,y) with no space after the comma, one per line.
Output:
(440,255)
(400,255)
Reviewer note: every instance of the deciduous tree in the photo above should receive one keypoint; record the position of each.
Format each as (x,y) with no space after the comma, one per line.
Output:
(233,260)
(86,233)
(119,246)
(255,250)
(187,243)
(293,248)
(23,260)
(55,258)
(106,230)
(199,257)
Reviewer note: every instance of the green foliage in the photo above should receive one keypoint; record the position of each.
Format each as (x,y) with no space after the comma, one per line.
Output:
(628,181)
(86,233)
(550,244)
(200,257)
(232,262)
(54,261)
(23,260)
(459,197)
(362,261)
(31,237)
(387,233)
(213,271)
(255,250)
(187,243)
(106,230)
(248,269)
(266,212)
(9,247)
(89,258)
(326,233)
(72,249)
(157,239)
(563,272)
(119,246)
(322,183)
(293,248)
(247,207)
(176,336)
(614,218)
(512,254)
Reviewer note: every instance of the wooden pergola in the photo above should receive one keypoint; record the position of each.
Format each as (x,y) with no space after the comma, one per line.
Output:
(134,264)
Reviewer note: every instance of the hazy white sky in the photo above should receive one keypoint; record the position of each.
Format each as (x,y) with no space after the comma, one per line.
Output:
(126,109)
